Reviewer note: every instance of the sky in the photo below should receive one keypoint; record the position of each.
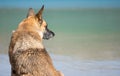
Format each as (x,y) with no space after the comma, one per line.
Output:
(61,3)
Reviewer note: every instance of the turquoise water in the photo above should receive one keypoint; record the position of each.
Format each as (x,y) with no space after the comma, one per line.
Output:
(88,39)
(82,33)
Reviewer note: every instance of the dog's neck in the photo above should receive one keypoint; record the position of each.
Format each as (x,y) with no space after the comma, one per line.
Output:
(28,41)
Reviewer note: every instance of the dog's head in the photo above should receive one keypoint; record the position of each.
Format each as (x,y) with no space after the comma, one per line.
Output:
(44,32)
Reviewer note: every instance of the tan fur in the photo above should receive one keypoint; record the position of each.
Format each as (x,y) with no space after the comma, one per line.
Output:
(28,56)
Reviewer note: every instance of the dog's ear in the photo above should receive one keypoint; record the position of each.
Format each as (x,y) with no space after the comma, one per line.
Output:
(39,14)
(30,12)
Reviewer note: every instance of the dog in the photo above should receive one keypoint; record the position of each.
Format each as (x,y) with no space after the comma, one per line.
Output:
(27,55)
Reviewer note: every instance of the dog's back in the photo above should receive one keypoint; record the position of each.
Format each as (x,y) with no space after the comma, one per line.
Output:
(31,61)
(27,55)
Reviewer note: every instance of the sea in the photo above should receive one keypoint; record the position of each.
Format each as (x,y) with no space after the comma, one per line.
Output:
(86,42)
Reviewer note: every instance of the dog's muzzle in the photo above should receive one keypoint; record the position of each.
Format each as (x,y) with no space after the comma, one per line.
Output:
(48,34)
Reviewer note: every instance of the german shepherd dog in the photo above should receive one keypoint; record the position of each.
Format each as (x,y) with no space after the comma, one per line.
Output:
(27,54)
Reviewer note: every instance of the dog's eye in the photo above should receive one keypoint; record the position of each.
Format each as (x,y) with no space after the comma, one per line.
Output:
(46,27)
